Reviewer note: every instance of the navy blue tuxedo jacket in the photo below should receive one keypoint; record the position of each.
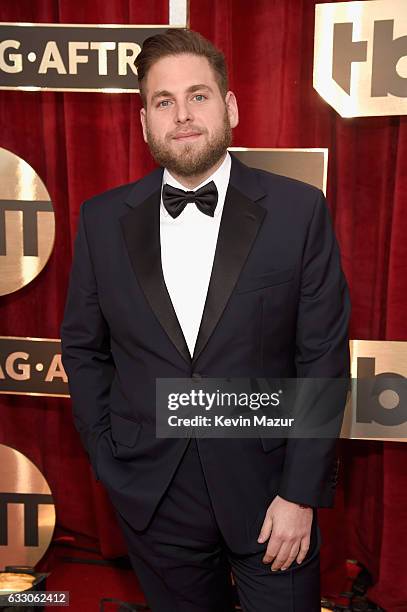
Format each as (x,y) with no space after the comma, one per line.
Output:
(277,306)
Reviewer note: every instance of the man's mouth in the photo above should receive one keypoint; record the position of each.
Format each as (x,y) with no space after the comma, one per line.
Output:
(187,136)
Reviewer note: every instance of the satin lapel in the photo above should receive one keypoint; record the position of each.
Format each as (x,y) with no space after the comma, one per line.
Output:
(241,220)
(141,228)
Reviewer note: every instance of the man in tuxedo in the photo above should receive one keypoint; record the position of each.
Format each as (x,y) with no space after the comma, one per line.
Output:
(205,268)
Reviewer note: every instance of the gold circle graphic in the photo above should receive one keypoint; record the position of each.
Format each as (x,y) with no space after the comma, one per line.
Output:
(27,223)
(29,510)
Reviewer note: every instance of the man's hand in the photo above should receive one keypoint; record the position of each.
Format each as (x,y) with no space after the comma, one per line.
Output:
(290,526)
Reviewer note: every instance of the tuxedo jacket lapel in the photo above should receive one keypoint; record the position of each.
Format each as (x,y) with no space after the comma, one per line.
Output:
(241,220)
(141,229)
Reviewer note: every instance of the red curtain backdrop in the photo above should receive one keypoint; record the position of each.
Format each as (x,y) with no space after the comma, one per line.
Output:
(84,143)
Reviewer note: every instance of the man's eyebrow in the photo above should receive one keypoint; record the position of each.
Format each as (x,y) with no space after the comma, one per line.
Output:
(198,87)
(164,93)
(160,94)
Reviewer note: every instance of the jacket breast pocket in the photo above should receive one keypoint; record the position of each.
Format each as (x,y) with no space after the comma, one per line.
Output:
(125,434)
(264,281)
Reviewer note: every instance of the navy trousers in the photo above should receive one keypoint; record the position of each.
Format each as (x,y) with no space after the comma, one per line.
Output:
(184,565)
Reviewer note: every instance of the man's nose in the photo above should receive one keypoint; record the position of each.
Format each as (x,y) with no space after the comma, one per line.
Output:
(183,112)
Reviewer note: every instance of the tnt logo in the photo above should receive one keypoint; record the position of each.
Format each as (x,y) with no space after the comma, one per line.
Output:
(381,398)
(27,510)
(360,57)
(27,223)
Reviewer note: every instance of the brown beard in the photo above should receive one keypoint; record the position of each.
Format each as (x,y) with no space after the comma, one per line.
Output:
(188,162)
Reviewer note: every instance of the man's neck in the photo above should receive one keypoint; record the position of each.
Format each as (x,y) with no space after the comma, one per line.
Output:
(190,182)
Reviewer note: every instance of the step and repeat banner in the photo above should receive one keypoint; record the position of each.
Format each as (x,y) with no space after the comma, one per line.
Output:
(360,69)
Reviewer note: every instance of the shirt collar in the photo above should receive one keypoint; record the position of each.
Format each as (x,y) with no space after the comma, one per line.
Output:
(220,177)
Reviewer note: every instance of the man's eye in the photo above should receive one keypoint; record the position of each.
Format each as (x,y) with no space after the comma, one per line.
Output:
(199,97)
(163,103)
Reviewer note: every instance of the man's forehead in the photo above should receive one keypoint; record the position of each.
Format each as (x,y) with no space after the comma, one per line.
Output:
(185,69)
(182,59)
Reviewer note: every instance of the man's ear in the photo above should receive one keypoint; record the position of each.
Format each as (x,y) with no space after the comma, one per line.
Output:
(143,119)
(232,109)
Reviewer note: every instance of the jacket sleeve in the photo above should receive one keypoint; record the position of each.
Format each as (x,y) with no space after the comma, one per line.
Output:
(322,352)
(86,352)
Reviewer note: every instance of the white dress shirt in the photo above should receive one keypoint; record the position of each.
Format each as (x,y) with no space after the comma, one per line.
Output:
(188,245)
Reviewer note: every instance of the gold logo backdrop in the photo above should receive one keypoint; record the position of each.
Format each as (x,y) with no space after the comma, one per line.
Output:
(307,165)
(27,223)
(32,366)
(360,57)
(377,408)
(27,511)
(77,57)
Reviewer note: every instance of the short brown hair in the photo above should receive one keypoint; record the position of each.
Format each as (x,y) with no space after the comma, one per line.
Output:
(176,41)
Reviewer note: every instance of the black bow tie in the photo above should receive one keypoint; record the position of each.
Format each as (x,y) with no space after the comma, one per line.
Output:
(205,199)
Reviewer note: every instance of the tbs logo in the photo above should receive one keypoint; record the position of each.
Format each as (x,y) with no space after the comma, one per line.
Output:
(381,398)
(360,57)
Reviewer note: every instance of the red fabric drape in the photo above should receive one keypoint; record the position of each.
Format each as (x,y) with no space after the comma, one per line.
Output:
(81,144)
